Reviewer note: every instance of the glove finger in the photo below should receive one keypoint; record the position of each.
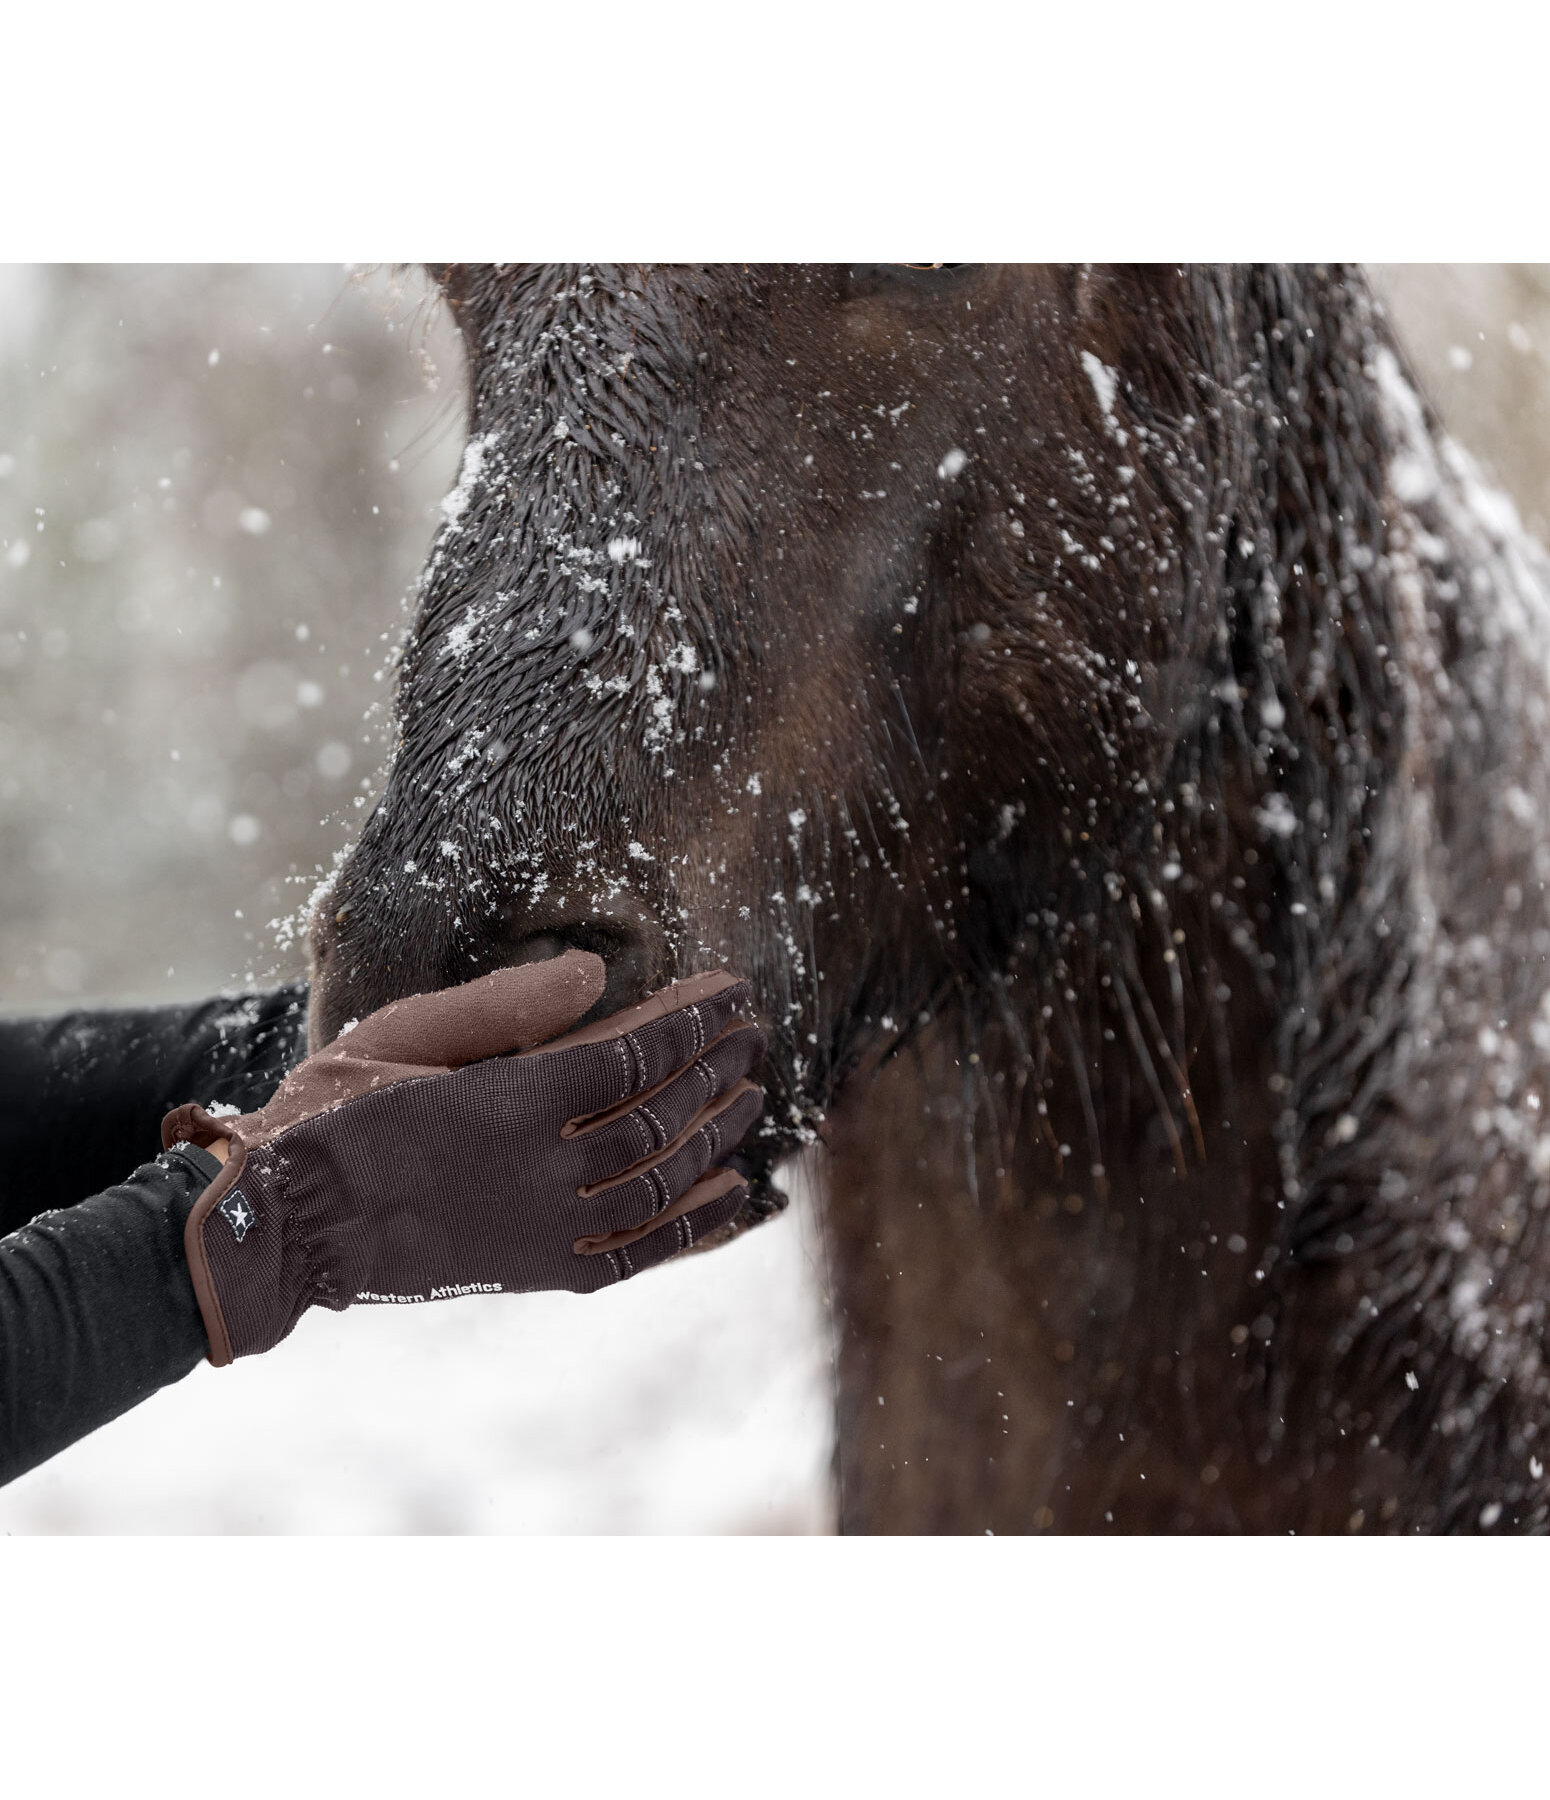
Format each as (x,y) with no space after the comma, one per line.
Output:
(708,1204)
(681,1234)
(642,1194)
(504,1011)
(645,1125)
(638,1049)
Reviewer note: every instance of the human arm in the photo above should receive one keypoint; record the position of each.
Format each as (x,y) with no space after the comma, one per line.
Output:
(97,1310)
(82,1093)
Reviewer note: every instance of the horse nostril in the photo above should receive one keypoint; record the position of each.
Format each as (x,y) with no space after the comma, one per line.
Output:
(635,955)
(543,947)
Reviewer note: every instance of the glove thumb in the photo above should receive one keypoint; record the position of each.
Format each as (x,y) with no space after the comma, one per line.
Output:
(504,1011)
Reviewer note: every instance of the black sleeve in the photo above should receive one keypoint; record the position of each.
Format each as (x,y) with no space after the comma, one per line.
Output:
(82,1094)
(97,1310)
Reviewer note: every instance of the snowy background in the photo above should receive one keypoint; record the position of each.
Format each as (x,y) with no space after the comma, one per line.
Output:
(217,486)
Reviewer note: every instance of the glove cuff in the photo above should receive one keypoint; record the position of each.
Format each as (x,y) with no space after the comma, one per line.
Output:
(219,1192)
(191,1124)
(228,1209)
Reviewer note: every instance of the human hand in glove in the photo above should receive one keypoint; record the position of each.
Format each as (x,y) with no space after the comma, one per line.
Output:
(456,1143)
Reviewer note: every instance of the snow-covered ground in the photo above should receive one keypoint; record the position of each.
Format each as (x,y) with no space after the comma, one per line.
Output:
(694,1399)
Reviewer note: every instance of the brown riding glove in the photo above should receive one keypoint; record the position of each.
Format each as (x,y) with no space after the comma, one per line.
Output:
(452,1143)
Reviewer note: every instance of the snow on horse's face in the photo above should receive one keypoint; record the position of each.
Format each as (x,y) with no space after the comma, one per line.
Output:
(797,618)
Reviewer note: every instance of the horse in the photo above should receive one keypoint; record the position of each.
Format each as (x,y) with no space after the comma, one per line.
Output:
(1100,711)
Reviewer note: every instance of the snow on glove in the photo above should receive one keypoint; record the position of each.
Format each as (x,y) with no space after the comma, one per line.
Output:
(452,1143)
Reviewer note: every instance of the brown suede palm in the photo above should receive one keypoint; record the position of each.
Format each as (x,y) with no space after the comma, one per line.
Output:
(456,1143)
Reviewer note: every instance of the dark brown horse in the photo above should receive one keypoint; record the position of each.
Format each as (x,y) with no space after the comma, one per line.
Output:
(1104,718)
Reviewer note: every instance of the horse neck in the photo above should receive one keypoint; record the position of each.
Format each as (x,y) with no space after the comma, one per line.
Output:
(1033,1339)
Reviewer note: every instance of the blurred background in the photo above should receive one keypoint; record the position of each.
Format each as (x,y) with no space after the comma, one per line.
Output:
(217,486)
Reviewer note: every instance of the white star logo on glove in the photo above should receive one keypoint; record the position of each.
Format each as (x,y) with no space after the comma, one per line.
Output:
(234,1209)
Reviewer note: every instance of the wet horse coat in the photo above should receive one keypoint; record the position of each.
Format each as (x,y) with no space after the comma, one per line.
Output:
(1102,714)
